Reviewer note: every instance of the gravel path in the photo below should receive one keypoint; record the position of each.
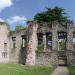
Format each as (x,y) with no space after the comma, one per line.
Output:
(61,71)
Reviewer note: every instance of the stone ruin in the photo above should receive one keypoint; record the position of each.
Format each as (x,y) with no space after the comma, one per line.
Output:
(49,46)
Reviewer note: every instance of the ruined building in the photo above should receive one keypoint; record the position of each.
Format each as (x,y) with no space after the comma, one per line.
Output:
(38,46)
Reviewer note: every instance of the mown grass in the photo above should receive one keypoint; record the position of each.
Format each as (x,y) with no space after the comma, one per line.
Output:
(71,70)
(18,69)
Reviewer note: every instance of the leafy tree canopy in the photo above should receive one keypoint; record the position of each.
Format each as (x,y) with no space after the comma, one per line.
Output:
(50,15)
(18,27)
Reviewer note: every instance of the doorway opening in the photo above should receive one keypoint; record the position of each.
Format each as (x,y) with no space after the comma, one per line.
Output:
(62,58)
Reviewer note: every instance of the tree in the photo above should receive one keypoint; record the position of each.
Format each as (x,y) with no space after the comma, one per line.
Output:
(50,15)
(18,27)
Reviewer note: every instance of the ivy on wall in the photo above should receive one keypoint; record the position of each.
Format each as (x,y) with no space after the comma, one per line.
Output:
(40,47)
(62,45)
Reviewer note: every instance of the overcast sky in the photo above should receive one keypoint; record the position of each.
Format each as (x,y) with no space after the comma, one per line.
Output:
(18,11)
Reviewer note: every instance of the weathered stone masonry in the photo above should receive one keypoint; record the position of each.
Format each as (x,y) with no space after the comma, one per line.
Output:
(22,46)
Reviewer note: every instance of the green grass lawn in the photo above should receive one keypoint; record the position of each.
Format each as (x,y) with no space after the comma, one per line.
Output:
(18,69)
(71,70)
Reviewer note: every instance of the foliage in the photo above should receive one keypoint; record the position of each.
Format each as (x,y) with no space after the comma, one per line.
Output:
(62,44)
(40,47)
(2,23)
(40,42)
(50,15)
(18,69)
(71,70)
(18,27)
(28,21)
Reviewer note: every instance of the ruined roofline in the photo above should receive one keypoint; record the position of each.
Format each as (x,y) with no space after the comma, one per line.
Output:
(17,31)
(54,22)
(5,23)
(60,27)
(23,29)
(1,23)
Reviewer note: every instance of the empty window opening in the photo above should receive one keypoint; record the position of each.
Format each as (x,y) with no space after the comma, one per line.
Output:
(5,46)
(49,40)
(4,54)
(14,42)
(62,37)
(24,40)
(40,41)
(73,40)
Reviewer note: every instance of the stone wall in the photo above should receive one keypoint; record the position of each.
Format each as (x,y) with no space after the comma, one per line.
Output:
(69,44)
(4,43)
(55,36)
(27,53)
(32,43)
(46,58)
(17,53)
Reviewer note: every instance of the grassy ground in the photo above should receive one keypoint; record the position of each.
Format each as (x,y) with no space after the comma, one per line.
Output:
(17,69)
(72,70)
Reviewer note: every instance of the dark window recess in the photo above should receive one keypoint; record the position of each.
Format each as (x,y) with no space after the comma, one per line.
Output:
(40,41)
(14,42)
(40,38)
(4,54)
(49,39)
(5,46)
(62,35)
(14,38)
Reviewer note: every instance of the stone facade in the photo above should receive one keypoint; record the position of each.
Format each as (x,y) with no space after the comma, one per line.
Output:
(4,43)
(22,46)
